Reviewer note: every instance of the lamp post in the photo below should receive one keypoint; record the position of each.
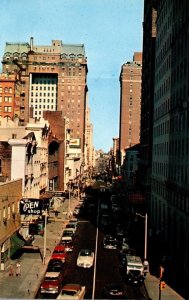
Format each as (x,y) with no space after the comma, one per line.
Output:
(145,234)
(45,237)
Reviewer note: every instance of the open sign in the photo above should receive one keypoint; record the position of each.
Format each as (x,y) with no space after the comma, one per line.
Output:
(30,206)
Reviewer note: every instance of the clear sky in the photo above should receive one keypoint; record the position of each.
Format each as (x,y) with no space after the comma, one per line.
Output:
(111,31)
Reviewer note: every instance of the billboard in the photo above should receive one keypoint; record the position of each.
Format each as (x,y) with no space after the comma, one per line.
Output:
(75,143)
(31,206)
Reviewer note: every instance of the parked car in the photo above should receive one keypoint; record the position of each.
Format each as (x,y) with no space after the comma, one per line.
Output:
(119,231)
(67,243)
(68,232)
(134,277)
(114,291)
(55,265)
(51,283)
(110,242)
(72,225)
(59,253)
(72,291)
(85,258)
(134,270)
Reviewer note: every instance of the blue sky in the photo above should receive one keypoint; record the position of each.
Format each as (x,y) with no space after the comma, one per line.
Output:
(111,31)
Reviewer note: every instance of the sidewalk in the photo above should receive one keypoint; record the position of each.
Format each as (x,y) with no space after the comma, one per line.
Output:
(152,287)
(32,267)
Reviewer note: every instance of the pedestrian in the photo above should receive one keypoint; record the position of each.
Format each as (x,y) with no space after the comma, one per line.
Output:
(18,268)
(146,268)
(11,270)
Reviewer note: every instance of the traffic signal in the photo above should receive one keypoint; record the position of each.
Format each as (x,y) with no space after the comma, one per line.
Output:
(162,285)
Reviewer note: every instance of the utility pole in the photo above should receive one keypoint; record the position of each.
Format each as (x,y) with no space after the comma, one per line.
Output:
(145,233)
(45,237)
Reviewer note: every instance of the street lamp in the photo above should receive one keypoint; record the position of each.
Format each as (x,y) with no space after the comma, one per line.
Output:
(145,234)
(45,237)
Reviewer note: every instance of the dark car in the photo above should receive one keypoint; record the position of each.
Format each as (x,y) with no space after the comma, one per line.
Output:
(134,277)
(55,265)
(114,291)
(109,242)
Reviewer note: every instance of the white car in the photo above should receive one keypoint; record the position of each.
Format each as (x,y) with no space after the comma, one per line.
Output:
(85,258)
(72,291)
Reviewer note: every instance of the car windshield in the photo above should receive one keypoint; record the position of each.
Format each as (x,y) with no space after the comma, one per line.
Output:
(54,267)
(68,293)
(70,226)
(134,272)
(49,278)
(113,243)
(85,253)
(67,233)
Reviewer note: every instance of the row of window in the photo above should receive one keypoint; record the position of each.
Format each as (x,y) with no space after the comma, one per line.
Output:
(44,88)
(177,199)
(6,108)
(175,172)
(7,211)
(6,90)
(177,148)
(6,99)
(44,106)
(42,94)
(42,100)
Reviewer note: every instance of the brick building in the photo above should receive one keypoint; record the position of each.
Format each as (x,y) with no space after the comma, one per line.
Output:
(9,95)
(130,101)
(10,195)
(53,77)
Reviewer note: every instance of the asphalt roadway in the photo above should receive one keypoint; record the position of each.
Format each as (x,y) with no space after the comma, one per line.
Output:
(33,267)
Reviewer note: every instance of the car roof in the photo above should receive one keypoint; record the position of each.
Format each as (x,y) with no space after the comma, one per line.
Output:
(52,274)
(66,238)
(59,246)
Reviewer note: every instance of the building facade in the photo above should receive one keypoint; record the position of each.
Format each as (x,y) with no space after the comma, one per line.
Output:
(170,180)
(9,95)
(130,104)
(53,77)
(147,95)
(10,195)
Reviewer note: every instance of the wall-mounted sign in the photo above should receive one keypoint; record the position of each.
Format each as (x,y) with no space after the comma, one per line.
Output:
(74,143)
(30,206)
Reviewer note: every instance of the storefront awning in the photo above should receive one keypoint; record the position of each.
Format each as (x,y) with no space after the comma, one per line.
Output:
(15,244)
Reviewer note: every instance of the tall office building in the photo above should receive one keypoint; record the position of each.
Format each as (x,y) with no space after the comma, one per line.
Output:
(53,78)
(147,95)
(170,179)
(130,101)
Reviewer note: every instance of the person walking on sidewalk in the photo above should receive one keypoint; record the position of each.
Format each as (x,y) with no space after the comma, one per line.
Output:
(18,268)
(11,270)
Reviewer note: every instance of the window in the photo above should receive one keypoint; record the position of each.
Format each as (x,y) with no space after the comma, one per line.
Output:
(7,109)
(8,99)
